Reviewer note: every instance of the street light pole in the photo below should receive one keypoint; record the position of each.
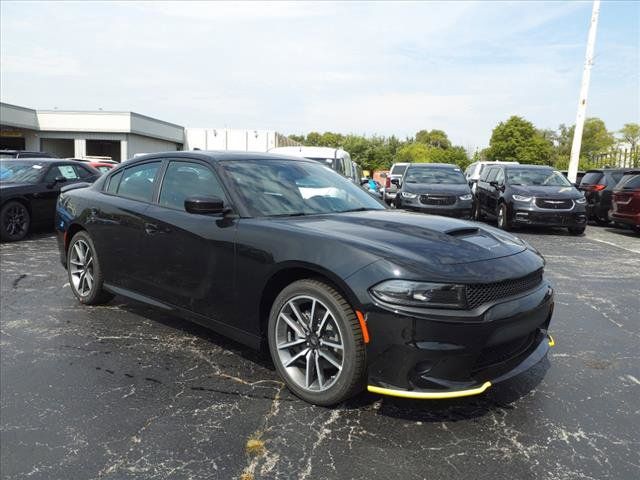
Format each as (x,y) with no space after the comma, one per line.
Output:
(584,90)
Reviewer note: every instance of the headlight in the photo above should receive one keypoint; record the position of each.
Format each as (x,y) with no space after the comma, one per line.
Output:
(468,196)
(409,195)
(420,294)
(581,201)
(521,198)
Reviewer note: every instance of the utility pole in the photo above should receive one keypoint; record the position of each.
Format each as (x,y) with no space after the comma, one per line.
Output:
(584,90)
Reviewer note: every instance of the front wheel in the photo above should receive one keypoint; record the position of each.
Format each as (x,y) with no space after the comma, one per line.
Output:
(577,230)
(14,221)
(503,217)
(85,275)
(316,343)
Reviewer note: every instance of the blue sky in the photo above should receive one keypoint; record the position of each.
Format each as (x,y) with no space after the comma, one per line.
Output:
(367,68)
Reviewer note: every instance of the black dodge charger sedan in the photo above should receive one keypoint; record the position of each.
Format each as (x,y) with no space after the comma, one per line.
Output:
(29,190)
(285,251)
(530,195)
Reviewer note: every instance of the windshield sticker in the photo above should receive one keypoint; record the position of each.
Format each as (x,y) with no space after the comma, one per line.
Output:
(37,167)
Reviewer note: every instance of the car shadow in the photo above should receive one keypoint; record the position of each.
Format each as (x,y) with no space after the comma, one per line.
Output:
(499,397)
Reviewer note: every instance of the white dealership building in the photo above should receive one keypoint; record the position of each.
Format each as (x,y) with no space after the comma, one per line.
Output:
(119,135)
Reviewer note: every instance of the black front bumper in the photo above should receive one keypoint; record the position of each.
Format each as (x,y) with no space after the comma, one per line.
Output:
(448,353)
(550,219)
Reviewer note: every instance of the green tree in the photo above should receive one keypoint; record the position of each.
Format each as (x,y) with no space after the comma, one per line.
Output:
(518,140)
(595,139)
(630,133)
(433,138)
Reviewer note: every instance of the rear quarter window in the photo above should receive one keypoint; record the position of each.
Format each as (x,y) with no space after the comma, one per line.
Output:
(591,178)
(114,181)
(630,181)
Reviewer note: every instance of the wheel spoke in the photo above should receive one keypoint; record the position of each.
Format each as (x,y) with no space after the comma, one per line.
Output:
(293,343)
(293,359)
(327,343)
(330,358)
(313,311)
(297,314)
(323,322)
(309,369)
(292,324)
(319,370)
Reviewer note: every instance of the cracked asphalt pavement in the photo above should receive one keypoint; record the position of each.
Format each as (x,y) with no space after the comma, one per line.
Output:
(124,391)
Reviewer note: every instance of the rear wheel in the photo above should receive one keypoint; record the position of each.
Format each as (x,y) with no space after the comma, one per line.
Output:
(316,343)
(14,221)
(503,217)
(477,212)
(85,275)
(577,230)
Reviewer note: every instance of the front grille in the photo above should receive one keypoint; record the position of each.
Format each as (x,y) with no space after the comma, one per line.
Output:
(437,199)
(554,204)
(481,293)
(504,351)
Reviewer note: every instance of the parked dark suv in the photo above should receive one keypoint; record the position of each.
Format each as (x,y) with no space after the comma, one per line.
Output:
(530,195)
(598,185)
(436,188)
(626,200)
(24,154)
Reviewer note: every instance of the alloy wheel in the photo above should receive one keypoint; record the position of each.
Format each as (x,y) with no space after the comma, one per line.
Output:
(309,343)
(81,267)
(16,221)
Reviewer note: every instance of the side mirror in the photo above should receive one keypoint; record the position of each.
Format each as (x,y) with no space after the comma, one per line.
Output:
(205,205)
(493,183)
(395,181)
(56,181)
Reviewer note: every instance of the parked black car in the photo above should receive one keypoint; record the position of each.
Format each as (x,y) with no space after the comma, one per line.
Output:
(436,188)
(29,189)
(579,176)
(598,185)
(346,292)
(529,195)
(24,154)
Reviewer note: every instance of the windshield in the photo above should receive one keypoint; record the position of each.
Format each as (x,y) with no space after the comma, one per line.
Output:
(537,177)
(20,172)
(285,187)
(444,176)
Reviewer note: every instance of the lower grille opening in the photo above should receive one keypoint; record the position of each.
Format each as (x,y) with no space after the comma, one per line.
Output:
(503,352)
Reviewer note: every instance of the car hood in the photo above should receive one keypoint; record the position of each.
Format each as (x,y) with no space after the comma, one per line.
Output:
(546,192)
(413,237)
(455,189)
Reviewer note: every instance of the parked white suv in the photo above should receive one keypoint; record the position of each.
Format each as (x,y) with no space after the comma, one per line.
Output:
(473,171)
(336,158)
(390,188)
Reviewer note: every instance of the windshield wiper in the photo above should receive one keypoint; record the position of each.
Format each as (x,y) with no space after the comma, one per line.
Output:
(361,209)
(297,214)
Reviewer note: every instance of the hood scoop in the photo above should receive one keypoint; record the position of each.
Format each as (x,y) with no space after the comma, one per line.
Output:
(462,232)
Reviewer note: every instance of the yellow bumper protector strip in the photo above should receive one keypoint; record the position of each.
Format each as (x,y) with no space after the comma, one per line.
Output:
(552,342)
(429,395)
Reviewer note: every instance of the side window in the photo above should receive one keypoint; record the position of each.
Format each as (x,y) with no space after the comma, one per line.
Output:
(185,179)
(491,176)
(66,171)
(138,182)
(500,176)
(484,172)
(114,181)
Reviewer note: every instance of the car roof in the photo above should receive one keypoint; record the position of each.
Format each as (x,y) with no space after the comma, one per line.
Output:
(36,160)
(521,166)
(218,156)
(434,165)
(301,151)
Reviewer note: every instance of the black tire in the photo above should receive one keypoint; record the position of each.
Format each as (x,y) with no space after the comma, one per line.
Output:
(350,379)
(601,221)
(14,221)
(95,294)
(503,217)
(577,230)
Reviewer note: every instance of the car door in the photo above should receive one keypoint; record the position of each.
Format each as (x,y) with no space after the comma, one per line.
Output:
(499,189)
(493,191)
(482,189)
(189,258)
(58,175)
(116,224)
